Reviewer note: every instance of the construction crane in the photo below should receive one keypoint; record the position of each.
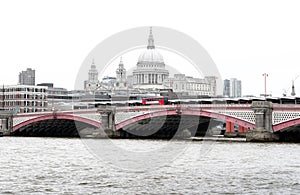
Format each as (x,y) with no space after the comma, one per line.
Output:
(285,91)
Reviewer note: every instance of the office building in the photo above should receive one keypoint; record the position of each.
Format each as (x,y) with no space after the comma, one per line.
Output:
(27,77)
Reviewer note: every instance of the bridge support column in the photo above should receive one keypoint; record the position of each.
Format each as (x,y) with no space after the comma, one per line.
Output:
(229,127)
(230,130)
(242,129)
(263,121)
(108,121)
(6,122)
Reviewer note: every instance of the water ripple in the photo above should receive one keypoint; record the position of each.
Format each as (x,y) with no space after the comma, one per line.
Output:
(65,166)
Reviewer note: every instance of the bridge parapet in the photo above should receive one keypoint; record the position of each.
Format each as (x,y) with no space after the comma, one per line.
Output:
(22,117)
(286,107)
(239,112)
(93,115)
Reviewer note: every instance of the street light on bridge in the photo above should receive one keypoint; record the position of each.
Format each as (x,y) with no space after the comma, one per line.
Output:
(265,75)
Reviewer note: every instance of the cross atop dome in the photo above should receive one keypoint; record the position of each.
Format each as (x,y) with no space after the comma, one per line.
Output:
(150,55)
(121,64)
(150,40)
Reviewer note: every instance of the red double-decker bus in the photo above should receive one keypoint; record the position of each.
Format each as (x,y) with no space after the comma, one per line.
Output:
(157,100)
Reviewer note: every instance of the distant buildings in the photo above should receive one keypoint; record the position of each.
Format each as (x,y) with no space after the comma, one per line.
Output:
(108,82)
(121,81)
(232,88)
(151,76)
(150,71)
(226,88)
(188,86)
(27,77)
(56,95)
(23,98)
(92,83)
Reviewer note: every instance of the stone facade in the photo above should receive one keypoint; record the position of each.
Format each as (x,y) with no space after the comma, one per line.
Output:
(150,71)
(121,81)
(92,84)
(186,85)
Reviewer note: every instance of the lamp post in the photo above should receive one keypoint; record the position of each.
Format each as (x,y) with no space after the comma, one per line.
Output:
(265,75)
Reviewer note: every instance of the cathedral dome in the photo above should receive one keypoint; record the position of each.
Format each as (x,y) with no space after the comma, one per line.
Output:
(150,72)
(151,55)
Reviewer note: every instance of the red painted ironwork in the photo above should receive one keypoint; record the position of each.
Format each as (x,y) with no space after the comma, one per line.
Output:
(57,116)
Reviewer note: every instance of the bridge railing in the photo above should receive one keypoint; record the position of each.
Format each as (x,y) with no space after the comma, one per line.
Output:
(79,111)
(182,106)
(284,107)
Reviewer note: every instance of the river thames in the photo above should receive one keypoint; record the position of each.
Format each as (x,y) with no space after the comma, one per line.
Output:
(69,166)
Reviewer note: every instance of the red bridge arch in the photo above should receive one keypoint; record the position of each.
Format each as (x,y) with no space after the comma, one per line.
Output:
(57,116)
(187,112)
(286,124)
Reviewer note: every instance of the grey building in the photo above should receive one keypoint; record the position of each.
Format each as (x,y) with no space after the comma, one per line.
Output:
(27,77)
(238,88)
(232,88)
(226,88)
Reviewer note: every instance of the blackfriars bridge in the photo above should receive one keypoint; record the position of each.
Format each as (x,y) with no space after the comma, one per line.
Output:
(259,121)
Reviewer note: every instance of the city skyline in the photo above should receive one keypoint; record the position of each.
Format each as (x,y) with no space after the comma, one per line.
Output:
(242,44)
(150,97)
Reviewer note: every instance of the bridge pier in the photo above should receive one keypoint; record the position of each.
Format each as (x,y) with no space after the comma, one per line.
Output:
(6,122)
(108,121)
(263,121)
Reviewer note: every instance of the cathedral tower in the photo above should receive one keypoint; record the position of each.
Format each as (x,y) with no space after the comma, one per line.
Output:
(92,83)
(121,76)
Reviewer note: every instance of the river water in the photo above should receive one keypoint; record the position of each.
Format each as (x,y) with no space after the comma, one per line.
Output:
(69,166)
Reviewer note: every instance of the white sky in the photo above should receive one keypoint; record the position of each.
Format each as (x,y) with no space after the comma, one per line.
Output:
(244,38)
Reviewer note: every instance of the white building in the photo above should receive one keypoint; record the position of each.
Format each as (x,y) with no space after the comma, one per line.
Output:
(108,82)
(235,88)
(23,98)
(121,80)
(189,86)
(150,71)
(92,83)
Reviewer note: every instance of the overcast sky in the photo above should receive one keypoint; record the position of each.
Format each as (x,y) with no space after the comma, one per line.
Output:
(244,38)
